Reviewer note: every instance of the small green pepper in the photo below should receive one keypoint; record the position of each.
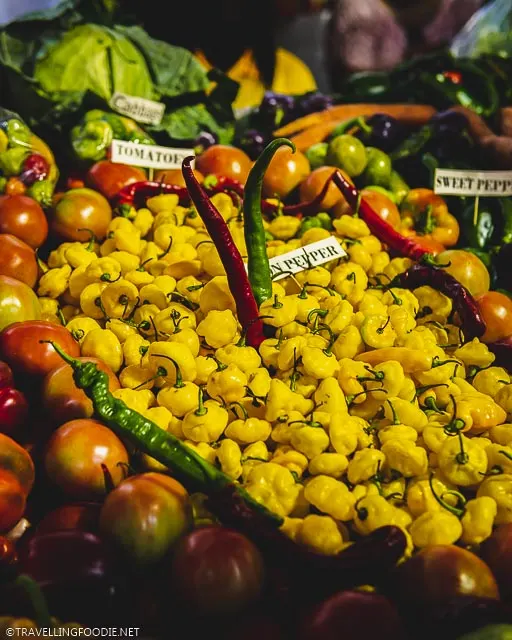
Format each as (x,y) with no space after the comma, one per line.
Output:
(42,192)
(347,153)
(11,161)
(385,192)
(309,223)
(398,186)
(91,140)
(490,632)
(325,220)
(18,133)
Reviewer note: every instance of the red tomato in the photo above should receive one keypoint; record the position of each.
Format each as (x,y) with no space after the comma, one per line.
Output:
(468,269)
(62,400)
(175,176)
(15,459)
(315,182)
(13,410)
(81,209)
(497,552)
(12,501)
(83,516)
(496,310)
(22,349)
(383,206)
(353,614)
(216,570)
(436,573)
(109,177)
(75,454)
(285,172)
(224,160)
(18,260)
(18,303)
(23,217)
(145,515)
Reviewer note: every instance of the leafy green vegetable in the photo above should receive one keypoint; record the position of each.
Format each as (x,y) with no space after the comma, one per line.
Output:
(94,58)
(61,63)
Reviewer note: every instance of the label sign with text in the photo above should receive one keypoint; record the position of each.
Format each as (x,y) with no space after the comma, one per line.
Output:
(148,155)
(306,257)
(472,183)
(138,109)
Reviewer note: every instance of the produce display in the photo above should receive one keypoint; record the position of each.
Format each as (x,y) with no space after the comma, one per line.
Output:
(267,390)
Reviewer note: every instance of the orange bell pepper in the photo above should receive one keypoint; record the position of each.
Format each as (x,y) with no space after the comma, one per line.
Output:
(426,214)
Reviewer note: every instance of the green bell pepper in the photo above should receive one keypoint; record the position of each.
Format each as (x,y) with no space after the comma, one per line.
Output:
(490,632)
(91,140)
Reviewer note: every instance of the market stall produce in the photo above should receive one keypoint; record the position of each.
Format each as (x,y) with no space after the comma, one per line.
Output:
(265,387)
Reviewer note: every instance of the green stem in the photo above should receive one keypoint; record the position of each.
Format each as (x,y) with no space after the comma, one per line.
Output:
(37,600)
(92,238)
(244,410)
(457,511)
(220,365)
(201,409)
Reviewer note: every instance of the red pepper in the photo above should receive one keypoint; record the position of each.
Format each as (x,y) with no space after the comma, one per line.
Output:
(137,193)
(379,227)
(239,284)
(13,404)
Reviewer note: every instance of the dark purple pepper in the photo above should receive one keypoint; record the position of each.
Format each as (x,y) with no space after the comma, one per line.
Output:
(385,133)
(204,140)
(311,103)
(253,142)
(449,122)
(273,110)
(502,349)
(464,304)
(35,168)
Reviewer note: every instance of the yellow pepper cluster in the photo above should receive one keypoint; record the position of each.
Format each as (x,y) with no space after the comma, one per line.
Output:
(365,409)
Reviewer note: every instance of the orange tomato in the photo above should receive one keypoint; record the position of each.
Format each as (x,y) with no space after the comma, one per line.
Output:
(224,160)
(383,207)
(17,460)
(315,182)
(428,214)
(285,172)
(12,501)
(468,269)
(496,310)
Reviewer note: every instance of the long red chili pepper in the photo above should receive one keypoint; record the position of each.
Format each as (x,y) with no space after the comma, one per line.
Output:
(379,227)
(308,208)
(239,284)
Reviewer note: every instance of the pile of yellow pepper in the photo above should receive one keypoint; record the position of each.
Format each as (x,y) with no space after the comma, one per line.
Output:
(365,409)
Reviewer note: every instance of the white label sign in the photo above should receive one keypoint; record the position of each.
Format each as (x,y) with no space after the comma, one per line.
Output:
(148,155)
(306,257)
(473,183)
(139,109)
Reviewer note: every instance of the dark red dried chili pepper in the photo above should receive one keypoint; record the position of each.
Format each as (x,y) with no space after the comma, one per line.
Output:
(137,193)
(246,306)
(367,561)
(307,208)
(379,227)
(464,304)
(502,349)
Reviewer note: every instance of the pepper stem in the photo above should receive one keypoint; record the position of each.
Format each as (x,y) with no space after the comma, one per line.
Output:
(220,365)
(277,304)
(244,410)
(73,362)
(201,409)
(161,371)
(393,412)
(179,378)
(92,238)
(457,511)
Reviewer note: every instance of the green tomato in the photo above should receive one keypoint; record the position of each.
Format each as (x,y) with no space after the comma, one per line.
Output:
(378,167)
(385,192)
(316,155)
(347,153)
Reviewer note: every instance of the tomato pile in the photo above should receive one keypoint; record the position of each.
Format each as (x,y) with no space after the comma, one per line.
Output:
(367,407)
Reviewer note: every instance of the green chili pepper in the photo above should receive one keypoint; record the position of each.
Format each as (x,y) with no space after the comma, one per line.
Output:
(188,466)
(18,133)
(398,187)
(258,265)
(11,161)
(42,192)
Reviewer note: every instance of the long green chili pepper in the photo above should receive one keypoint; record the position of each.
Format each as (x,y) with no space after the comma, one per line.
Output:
(258,265)
(188,466)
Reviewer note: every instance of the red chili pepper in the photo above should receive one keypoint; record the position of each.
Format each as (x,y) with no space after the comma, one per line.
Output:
(379,227)
(239,284)
(466,306)
(137,193)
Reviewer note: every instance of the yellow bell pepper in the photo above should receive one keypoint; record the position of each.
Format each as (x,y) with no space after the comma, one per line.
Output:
(179,399)
(328,464)
(281,400)
(309,438)
(206,423)
(412,360)
(320,534)
(54,282)
(435,528)
(461,461)
(160,356)
(475,353)
(478,520)
(329,397)
(491,380)
(405,457)
(218,328)
(228,382)
(229,457)
(292,460)
(348,344)
(499,487)
(364,465)
(350,227)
